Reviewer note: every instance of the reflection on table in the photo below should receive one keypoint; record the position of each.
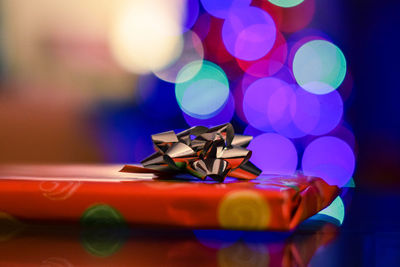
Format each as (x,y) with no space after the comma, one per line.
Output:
(69,245)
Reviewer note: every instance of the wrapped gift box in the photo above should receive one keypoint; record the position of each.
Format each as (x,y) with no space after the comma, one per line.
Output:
(95,194)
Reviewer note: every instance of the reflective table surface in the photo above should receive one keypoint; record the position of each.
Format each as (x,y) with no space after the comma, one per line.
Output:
(369,236)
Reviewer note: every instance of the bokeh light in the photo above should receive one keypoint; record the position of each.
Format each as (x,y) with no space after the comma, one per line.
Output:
(271,63)
(330,158)
(298,39)
(319,67)
(350,183)
(284,74)
(213,44)
(202,25)
(206,93)
(346,88)
(192,51)
(278,107)
(344,132)
(224,116)
(298,112)
(248,33)
(191,13)
(298,17)
(274,154)
(258,105)
(335,210)
(270,104)
(330,113)
(247,80)
(255,63)
(221,8)
(282,89)
(237,93)
(252,131)
(256,99)
(286,3)
(138,42)
(305,110)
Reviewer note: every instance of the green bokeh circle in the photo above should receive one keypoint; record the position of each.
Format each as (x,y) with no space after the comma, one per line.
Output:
(319,67)
(206,93)
(286,3)
(104,230)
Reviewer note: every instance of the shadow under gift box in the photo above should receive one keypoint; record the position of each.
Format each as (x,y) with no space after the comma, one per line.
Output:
(99,194)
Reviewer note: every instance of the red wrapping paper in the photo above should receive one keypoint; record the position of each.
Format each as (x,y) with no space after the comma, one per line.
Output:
(87,193)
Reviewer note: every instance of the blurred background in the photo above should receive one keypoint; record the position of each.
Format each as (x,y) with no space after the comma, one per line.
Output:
(315,81)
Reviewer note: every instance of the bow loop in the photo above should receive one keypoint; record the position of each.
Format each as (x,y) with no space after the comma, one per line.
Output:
(216,152)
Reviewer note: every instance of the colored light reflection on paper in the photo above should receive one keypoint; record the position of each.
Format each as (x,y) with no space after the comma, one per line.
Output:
(335,210)
(191,13)
(138,42)
(319,67)
(192,51)
(221,8)
(224,116)
(271,63)
(331,159)
(248,33)
(286,3)
(274,154)
(206,93)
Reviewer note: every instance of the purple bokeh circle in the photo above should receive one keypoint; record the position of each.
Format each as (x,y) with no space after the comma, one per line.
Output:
(298,39)
(270,104)
(300,116)
(329,158)
(279,115)
(344,132)
(221,8)
(248,33)
(256,99)
(330,113)
(249,130)
(274,154)
(192,12)
(305,110)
